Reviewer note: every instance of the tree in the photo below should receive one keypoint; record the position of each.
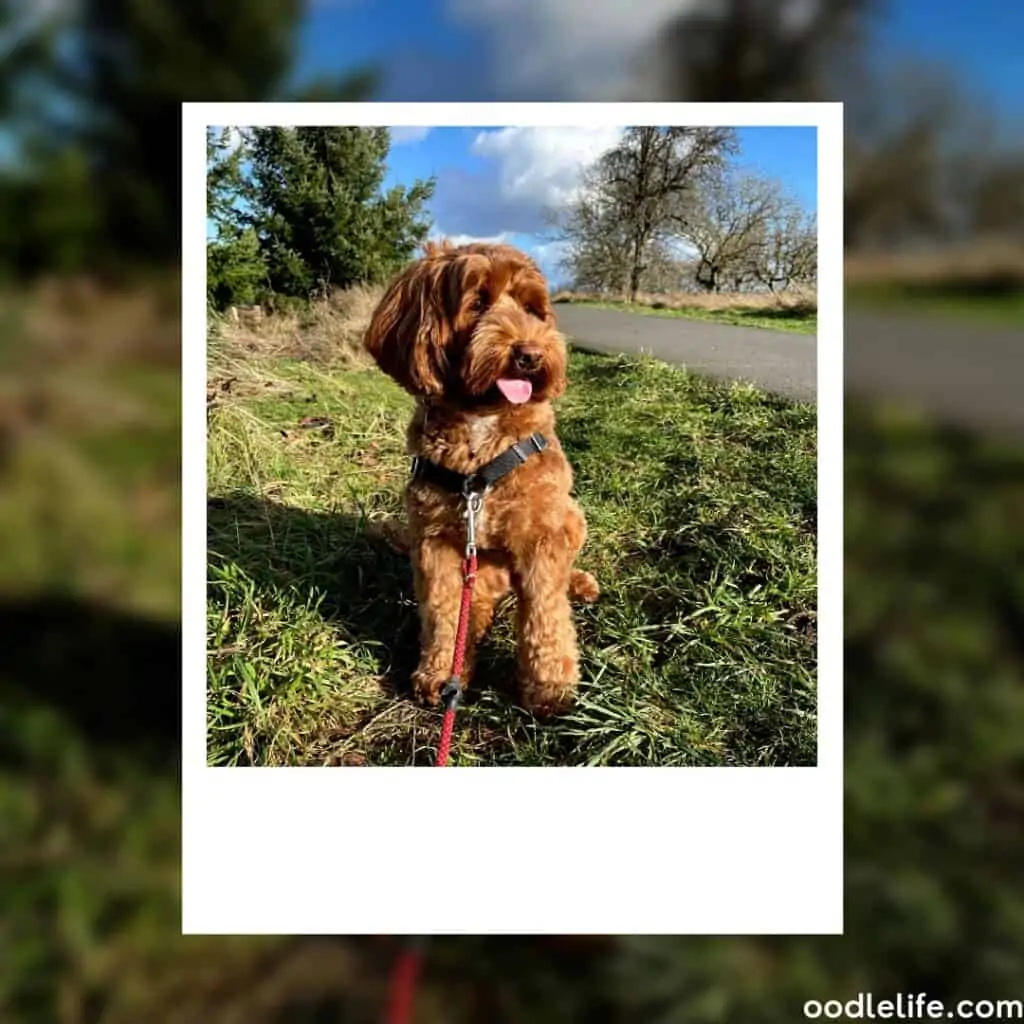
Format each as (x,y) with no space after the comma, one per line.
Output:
(314,202)
(728,225)
(997,201)
(642,191)
(225,151)
(789,252)
(594,241)
(757,50)
(748,233)
(235,269)
(98,85)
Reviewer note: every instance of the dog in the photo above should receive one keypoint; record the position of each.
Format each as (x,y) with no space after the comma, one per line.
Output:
(470,332)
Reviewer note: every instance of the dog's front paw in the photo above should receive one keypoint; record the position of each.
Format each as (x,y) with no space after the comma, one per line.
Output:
(427,684)
(550,703)
(550,688)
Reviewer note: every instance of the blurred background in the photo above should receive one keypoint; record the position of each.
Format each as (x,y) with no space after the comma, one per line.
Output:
(89,499)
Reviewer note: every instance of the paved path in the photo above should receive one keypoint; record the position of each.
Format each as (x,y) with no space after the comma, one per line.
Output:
(781,362)
(961,371)
(965,372)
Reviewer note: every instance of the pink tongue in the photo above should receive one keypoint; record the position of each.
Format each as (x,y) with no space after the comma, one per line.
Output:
(516,391)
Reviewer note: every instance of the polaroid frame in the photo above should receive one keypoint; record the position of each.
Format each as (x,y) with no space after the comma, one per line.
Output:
(720,851)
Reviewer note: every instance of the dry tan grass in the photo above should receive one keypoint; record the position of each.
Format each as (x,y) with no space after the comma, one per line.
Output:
(79,320)
(794,298)
(328,333)
(977,261)
(89,429)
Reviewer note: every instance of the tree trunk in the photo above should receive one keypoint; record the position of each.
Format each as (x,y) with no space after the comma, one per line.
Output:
(634,270)
(634,282)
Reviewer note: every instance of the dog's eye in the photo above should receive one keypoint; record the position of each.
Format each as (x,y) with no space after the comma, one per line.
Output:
(532,310)
(482,300)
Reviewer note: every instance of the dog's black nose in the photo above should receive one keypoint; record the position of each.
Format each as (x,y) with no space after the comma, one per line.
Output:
(527,357)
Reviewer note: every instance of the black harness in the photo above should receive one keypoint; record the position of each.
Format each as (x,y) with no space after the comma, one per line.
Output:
(486,476)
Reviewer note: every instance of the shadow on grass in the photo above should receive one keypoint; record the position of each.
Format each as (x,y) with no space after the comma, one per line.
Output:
(368,587)
(114,676)
(776,312)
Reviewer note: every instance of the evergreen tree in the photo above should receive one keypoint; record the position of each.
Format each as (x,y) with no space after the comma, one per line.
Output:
(315,201)
(97,87)
(235,269)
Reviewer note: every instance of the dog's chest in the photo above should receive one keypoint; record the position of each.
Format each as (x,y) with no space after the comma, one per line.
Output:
(480,430)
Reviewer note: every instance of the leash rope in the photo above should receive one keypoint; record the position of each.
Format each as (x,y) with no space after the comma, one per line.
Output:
(407,968)
(404,976)
(451,694)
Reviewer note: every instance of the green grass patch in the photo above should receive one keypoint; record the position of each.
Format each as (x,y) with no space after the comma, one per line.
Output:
(767,318)
(701,501)
(1002,307)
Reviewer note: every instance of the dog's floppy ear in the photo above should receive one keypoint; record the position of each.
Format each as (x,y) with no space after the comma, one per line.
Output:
(409,330)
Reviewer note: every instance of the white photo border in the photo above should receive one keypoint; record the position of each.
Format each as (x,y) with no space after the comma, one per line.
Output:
(714,851)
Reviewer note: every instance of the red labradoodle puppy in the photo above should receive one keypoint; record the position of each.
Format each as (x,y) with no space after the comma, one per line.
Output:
(470,332)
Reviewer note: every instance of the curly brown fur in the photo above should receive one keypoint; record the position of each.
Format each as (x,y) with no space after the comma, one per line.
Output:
(464,330)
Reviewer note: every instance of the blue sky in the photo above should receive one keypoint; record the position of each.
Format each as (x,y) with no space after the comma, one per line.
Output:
(588,49)
(498,183)
(980,40)
(571,49)
(503,183)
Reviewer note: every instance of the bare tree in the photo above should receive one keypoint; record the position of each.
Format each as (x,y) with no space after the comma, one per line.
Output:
(729,226)
(788,254)
(997,201)
(748,233)
(926,158)
(594,240)
(596,247)
(637,196)
(742,50)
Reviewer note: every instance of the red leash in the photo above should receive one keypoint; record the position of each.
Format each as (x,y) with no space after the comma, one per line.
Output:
(406,971)
(452,692)
(403,985)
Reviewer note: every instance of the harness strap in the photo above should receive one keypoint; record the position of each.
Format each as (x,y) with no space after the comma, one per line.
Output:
(486,476)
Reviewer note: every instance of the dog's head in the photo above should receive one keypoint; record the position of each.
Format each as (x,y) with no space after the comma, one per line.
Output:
(472,324)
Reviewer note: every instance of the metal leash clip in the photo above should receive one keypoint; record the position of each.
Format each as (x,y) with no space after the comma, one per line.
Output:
(474,503)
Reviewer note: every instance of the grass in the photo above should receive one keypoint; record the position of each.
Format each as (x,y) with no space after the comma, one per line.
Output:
(796,313)
(935,711)
(981,282)
(90,447)
(702,509)
(997,307)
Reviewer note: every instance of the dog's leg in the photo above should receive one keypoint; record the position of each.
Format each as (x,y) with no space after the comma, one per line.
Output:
(437,573)
(437,570)
(492,584)
(548,662)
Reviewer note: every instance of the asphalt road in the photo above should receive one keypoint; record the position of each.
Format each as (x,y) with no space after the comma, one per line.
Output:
(967,373)
(962,372)
(781,362)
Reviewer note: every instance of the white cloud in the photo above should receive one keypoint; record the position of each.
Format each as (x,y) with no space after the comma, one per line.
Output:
(543,165)
(437,235)
(405,136)
(567,49)
(527,172)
